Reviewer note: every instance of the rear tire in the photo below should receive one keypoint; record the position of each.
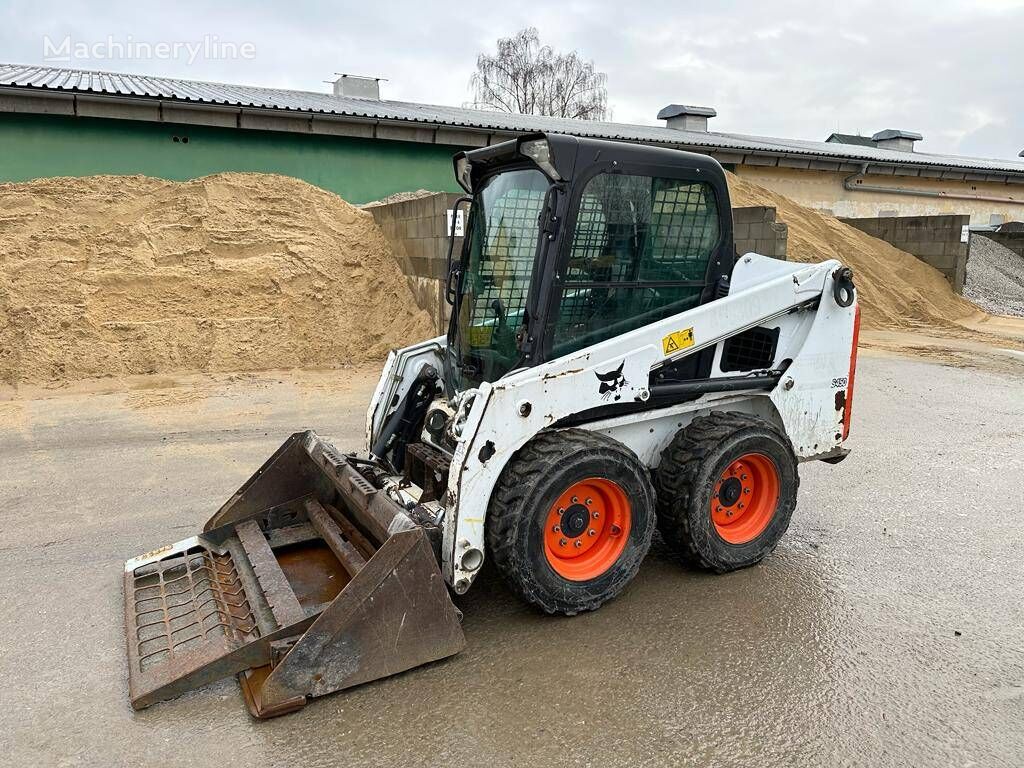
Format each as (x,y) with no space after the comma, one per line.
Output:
(726,488)
(570,520)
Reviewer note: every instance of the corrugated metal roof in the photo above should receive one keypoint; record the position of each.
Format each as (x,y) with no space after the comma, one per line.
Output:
(242,96)
(849,138)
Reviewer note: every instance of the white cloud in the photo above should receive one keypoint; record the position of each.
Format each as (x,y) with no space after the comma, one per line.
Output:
(947,68)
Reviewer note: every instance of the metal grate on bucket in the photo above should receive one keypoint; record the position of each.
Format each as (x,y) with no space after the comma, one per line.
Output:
(185,600)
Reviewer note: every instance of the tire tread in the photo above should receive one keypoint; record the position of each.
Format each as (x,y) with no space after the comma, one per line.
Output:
(681,460)
(509,505)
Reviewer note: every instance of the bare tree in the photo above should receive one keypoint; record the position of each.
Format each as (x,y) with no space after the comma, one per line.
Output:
(528,78)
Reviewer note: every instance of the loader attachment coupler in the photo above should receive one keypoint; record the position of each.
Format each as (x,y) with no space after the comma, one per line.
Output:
(307,581)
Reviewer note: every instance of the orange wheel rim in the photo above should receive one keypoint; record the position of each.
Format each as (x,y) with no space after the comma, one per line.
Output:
(586,529)
(745,497)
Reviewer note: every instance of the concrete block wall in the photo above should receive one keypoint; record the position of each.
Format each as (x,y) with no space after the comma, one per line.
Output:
(755,229)
(416,231)
(933,239)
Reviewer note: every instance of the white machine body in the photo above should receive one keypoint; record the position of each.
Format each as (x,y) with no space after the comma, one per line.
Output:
(809,403)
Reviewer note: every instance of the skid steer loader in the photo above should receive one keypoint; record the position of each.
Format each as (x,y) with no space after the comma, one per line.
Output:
(610,365)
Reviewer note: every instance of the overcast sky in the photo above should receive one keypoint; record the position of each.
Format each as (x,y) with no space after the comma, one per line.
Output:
(949,69)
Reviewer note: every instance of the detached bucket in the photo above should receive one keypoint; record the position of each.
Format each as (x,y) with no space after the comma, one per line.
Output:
(309,580)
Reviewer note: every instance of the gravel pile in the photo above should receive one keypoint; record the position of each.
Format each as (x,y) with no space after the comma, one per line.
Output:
(995,277)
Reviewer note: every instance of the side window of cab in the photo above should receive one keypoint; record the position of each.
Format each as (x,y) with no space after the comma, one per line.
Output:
(639,253)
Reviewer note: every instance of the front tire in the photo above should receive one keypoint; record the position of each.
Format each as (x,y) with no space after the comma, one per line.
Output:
(570,520)
(726,487)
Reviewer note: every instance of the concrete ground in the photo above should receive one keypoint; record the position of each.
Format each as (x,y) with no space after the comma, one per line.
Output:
(885,630)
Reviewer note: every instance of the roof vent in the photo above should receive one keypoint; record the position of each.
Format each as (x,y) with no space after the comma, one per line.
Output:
(683,117)
(357,86)
(893,138)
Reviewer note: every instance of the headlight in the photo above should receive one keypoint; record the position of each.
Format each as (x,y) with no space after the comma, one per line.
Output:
(464,173)
(539,151)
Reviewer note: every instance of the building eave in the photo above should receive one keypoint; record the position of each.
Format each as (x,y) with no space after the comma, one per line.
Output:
(489,129)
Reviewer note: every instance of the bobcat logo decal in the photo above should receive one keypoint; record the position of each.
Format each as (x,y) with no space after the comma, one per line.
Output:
(611,383)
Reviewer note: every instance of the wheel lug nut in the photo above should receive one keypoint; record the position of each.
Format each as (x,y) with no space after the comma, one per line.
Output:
(741,505)
(556,529)
(596,515)
(575,499)
(728,513)
(743,477)
(562,542)
(578,543)
(592,532)
(746,490)
(588,502)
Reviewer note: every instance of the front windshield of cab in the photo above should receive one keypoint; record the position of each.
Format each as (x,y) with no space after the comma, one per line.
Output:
(496,275)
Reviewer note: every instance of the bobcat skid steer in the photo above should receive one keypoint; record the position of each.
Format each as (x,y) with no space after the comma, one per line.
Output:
(610,366)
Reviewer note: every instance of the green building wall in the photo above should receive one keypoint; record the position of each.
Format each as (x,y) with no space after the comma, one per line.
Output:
(359,170)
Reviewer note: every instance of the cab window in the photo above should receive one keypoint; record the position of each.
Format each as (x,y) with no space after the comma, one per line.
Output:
(639,253)
(502,244)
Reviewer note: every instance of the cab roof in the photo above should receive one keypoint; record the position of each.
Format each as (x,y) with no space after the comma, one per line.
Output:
(571,154)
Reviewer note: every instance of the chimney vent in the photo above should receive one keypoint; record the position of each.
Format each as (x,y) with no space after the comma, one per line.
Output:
(893,138)
(357,86)
(683,117)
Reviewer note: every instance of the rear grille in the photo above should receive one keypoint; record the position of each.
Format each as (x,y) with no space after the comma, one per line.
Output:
(185,600)
(752,350)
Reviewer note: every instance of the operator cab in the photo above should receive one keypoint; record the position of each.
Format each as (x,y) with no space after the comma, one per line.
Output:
(572,241)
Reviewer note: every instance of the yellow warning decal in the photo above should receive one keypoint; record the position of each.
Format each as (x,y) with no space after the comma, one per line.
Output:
(677,341)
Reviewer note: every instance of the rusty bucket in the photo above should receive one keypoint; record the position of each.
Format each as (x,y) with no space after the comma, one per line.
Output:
(307,581)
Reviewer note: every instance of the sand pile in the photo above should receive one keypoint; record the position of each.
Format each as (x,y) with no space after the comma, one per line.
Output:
(897,291)
(400,197)
(110,275)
